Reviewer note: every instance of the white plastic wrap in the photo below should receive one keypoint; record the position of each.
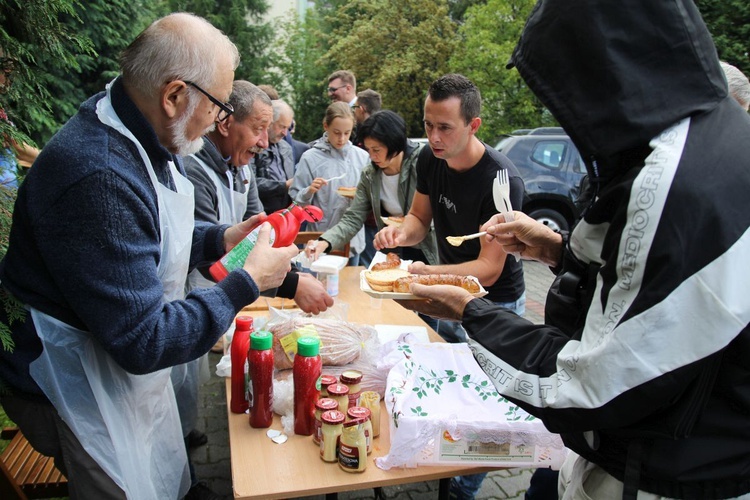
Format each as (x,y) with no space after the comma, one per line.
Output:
(341,342)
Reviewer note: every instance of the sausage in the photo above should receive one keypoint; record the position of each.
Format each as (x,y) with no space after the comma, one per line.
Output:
(401,285)
(392,261)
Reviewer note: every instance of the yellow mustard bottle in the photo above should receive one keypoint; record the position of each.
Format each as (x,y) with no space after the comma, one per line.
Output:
(353,448)
(340,394)
(371,401)
(321,406)
(362,413)
(353,380)
(333,425)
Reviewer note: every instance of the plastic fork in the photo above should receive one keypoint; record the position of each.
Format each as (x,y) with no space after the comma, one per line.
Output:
(336,178)
(501,197)
(457,240)
(503,184)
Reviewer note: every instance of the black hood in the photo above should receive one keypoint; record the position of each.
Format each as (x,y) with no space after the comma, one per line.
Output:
(615,73)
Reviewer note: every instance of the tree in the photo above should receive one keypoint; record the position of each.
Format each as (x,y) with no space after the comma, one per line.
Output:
(29,32)
(729,24)
(396,47)
(110,26)
(302,72)
(241,21)
(36,40)
(489,34)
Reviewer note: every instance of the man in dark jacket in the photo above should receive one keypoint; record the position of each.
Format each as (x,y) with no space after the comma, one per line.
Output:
(274,166)
(642,365)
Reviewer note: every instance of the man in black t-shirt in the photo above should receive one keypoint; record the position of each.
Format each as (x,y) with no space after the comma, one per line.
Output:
(454,191)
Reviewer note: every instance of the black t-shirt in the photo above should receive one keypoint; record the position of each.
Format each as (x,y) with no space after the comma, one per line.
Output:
(461,202)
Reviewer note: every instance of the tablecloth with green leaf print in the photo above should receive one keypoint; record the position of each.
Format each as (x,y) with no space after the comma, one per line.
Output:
(444,410)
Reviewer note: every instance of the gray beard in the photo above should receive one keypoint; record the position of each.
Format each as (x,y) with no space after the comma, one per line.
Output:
(182,144)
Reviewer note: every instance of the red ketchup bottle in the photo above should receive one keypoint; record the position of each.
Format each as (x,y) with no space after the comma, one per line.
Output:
(306,372)
(243,326)
(285,225)
(260,359)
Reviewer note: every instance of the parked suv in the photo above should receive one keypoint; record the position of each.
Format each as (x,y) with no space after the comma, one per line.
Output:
(552,170)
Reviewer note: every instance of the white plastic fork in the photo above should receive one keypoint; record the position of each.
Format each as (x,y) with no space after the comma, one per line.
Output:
(504,185)
(501,196)
(337,177)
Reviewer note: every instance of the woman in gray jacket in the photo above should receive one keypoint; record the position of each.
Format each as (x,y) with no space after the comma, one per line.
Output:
(386,187)
(332,162)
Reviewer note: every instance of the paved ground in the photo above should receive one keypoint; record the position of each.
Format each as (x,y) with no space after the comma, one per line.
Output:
(212,460)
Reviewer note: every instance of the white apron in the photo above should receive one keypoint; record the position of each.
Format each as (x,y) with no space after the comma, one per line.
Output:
(128,423)
(232,207)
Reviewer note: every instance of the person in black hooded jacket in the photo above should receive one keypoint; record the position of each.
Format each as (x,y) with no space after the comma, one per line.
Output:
(642,363)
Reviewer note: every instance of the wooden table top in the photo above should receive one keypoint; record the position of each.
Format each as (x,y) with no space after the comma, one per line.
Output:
(264,469)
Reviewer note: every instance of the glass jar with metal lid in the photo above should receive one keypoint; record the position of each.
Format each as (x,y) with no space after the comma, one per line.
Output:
(339,393)
(353,380)
(352,447)
(325,381)
(333,425)
(362,413)
(322,405)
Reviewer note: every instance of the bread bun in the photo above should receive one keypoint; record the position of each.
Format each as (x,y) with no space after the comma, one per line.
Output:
(382,281)
(393,221)
(347,192)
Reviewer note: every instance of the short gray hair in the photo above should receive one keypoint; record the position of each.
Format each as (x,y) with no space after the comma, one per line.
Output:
(243,98)
(179,46)
(739,86)
(279,107)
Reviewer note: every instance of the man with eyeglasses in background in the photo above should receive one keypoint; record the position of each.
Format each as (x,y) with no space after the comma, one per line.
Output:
(342,87)
(101,244)
(368,102)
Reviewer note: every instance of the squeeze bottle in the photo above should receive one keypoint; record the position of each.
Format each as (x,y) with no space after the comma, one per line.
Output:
(240,346)
(285,224)
(305,373)
(260,359)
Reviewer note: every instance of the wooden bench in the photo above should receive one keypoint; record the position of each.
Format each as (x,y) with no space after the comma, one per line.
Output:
(25,468)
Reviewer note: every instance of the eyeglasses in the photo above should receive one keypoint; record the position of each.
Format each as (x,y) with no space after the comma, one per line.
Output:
(225,109)
(331,90)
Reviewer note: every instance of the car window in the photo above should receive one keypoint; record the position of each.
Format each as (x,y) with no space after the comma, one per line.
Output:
(504,142)
(578,166)
(549,153)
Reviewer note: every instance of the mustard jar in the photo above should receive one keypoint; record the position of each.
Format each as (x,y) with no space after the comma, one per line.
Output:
(322,405)
(352,447)
(353,380)
(362,413)
(339,393)
(332,428)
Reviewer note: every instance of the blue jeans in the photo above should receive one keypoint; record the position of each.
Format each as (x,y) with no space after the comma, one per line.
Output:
(466,487)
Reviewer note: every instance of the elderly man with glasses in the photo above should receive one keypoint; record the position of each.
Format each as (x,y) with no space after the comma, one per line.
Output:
(101,244)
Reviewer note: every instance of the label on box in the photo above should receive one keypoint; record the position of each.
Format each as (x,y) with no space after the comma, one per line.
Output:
(467,450)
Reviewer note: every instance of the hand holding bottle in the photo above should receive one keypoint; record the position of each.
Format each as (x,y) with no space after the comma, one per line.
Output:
(236,233)
(268,265)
